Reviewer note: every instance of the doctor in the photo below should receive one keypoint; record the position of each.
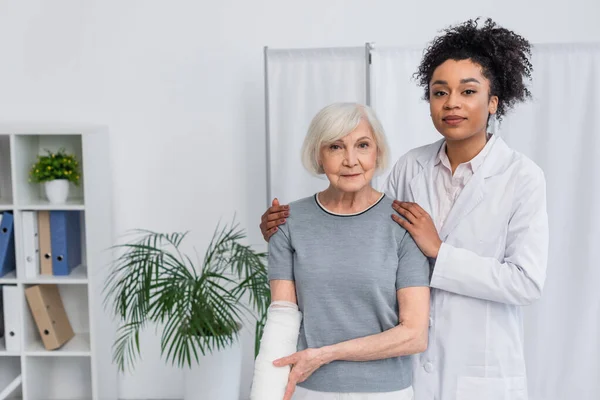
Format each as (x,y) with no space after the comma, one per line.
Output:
(477,209)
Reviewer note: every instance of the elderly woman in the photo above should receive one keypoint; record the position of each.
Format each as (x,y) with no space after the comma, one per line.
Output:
(349,285)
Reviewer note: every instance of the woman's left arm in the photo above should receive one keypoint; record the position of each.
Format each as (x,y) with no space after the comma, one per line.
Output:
(519,278)
(409,337)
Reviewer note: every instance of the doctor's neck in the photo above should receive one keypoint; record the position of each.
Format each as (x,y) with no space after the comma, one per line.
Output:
(464,150)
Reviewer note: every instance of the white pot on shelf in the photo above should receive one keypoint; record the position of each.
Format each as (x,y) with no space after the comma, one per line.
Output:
(57,191)
(216,375)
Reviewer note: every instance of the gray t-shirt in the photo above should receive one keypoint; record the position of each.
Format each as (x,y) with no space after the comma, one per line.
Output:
(347,269)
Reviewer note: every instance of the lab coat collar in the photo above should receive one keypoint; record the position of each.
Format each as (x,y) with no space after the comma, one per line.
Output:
(492,165)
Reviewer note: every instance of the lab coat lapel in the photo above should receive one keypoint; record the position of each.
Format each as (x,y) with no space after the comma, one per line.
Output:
(469,198)
(474,192)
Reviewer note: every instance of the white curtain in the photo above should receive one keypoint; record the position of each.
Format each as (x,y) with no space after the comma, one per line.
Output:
(560,131)
(398,103)
(299,83)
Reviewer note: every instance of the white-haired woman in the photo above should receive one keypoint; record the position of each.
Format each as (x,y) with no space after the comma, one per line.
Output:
(354,283)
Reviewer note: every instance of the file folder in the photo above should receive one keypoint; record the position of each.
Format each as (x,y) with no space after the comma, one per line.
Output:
(12,320)
(65,241)
(31,244)
(49,314)
(7,244)
(45,253)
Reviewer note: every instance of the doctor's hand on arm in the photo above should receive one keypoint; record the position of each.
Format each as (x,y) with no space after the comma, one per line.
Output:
(272,218)
(419,225)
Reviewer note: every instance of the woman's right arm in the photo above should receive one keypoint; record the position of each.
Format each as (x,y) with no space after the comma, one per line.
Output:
(272,218)
(283,290)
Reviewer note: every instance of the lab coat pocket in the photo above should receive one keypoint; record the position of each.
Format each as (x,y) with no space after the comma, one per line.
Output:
(477,388)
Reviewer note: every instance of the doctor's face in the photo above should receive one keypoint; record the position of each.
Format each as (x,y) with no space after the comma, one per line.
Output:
(351,161)
(460,100)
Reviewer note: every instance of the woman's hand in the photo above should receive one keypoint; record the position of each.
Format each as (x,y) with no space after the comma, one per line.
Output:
(420,226)
(303,363)
(272,218)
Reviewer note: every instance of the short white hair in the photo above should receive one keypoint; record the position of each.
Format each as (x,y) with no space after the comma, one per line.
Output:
(335,121)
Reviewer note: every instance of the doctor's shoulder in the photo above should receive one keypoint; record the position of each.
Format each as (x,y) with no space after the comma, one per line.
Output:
(525,171)
(407,167)
(411,157)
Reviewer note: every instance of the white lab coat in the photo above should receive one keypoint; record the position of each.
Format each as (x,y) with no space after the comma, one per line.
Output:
(492,261)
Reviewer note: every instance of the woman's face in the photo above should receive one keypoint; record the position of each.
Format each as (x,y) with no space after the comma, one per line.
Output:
(350,162)
(459,100)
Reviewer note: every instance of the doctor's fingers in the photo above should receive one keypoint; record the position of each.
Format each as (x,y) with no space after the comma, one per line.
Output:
(406,213)
(275,213)
(414,208)
(403,223)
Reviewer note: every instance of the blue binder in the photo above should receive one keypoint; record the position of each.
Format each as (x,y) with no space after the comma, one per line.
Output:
(65,241)
(7,244)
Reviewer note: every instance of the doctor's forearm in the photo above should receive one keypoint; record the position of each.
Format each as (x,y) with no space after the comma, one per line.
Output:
(464,272)
(398,341)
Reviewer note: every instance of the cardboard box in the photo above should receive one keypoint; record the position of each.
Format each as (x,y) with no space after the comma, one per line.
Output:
(49,315)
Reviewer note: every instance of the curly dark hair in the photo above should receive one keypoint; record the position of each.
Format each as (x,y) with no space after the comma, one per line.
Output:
(502,54)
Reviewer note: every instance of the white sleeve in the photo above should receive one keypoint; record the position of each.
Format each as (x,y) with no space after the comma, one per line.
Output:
(279,339)
(519,278)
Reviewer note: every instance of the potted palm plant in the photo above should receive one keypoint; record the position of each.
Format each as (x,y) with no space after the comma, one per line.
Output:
(201,306)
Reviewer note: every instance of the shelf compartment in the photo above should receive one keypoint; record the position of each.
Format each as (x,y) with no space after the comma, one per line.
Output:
(10,368)
(27,148)
(75,301)
(54,378)
(6,190)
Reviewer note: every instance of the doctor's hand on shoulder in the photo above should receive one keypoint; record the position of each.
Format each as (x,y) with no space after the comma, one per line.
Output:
(272,218)
(419,225)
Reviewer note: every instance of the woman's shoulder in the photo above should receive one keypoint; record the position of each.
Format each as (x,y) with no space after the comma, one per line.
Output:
(303,204)
(385,215)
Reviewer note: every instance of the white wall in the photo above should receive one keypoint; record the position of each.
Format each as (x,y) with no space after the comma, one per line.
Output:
(180,85)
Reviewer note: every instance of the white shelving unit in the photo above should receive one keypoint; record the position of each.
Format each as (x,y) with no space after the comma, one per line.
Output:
(83,367)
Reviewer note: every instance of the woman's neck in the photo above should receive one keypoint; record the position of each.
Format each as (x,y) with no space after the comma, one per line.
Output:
(341,202)
(462,151)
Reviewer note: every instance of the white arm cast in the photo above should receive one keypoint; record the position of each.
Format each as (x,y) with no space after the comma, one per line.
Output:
(279,339)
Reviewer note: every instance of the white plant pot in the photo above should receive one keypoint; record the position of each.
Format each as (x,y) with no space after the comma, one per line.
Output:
(57,191)
(217,375)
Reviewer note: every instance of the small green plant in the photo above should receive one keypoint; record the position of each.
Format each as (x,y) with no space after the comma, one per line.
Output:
(55,165)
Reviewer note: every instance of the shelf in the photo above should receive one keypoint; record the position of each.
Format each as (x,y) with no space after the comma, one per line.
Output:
(4,352)
(73,371)
(10,278)
(78,346)
(42,204)
(77,276)
(6,204)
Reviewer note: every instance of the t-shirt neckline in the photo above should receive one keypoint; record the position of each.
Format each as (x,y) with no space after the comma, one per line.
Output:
(316,197)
